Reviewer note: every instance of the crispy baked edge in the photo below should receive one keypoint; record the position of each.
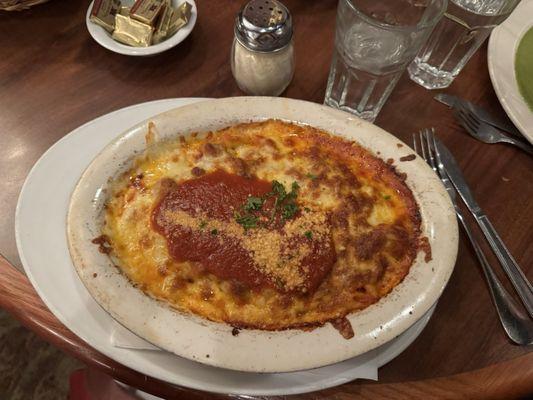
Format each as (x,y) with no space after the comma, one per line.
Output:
(345,149)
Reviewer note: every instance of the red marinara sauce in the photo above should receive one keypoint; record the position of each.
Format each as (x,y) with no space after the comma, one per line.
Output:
(218,195)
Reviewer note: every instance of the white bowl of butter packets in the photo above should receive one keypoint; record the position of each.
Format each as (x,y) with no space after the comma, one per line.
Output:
(140,27)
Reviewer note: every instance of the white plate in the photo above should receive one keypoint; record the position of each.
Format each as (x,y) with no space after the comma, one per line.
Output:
(104,38)
(212,343)
(42,245)
(503,44)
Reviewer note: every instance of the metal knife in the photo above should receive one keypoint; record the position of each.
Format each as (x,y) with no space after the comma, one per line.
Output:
(482,114)
(511,268)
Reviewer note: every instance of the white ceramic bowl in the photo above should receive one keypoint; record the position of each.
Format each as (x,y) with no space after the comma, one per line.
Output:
(212,343)
(104,38)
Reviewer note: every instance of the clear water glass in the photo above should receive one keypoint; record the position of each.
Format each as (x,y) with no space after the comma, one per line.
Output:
(465,26)
(374,43)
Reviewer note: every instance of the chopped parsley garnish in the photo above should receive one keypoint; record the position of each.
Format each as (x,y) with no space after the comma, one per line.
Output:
(247,221)
(311,176)
(294,190)
(284,205)
(308,235)
(289,210)
(203,224)
(253,203)
(214,232)
(387,197)
(278,190)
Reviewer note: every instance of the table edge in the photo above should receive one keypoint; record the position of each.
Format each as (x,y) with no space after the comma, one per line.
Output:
(509,379)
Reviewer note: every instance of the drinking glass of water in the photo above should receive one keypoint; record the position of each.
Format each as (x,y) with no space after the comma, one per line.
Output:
(374,42)
(465,26)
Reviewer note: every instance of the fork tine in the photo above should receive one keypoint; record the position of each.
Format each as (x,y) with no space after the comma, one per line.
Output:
(437,156)
(415,144)
(462,114)
(422,147)
(433,145)
(441,172)
(430,159)
(427,150)
(464,123)
(423,144)
(469,117)
(471,114)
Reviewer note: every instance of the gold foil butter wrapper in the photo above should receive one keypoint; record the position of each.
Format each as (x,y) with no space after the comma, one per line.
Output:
(103,13)
(125,10)
(132,32)
(179,19)
(163,23)
(146,10)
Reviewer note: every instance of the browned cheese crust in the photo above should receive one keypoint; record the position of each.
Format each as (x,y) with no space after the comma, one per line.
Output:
(373,222)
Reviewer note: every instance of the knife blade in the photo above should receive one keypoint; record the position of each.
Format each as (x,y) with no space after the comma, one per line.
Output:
(456,176)
(481,113)
(521,284)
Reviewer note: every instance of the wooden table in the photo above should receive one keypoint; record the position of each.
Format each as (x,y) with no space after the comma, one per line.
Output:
(54,77)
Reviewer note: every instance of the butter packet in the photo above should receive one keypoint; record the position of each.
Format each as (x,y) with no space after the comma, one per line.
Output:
(103,13)
(132,32)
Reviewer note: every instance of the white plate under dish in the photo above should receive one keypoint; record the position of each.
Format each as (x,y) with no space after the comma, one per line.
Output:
(41,240)
(104,39)
(503,44)
(212,343)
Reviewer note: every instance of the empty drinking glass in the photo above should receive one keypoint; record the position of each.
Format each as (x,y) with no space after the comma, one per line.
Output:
(374,42)
(465,26)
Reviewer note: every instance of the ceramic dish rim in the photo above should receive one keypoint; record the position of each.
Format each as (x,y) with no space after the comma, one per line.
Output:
(82,253)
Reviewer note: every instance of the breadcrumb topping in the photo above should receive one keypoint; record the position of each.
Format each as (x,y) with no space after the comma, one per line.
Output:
(278,254)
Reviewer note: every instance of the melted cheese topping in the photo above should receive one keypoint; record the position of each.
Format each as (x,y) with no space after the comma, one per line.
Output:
(373,224)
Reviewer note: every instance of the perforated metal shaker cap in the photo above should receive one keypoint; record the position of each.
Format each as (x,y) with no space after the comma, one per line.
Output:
(264,25)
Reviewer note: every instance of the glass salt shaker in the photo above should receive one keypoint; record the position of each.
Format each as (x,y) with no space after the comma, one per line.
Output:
(262,55)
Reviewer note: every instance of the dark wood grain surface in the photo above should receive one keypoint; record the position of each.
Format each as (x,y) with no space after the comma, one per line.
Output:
(54,77)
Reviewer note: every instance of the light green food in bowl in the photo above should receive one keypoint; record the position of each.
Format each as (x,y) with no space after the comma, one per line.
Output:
(524,67)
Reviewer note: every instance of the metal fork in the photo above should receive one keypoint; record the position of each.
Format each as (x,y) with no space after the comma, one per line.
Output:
(517,325)
(485,132)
